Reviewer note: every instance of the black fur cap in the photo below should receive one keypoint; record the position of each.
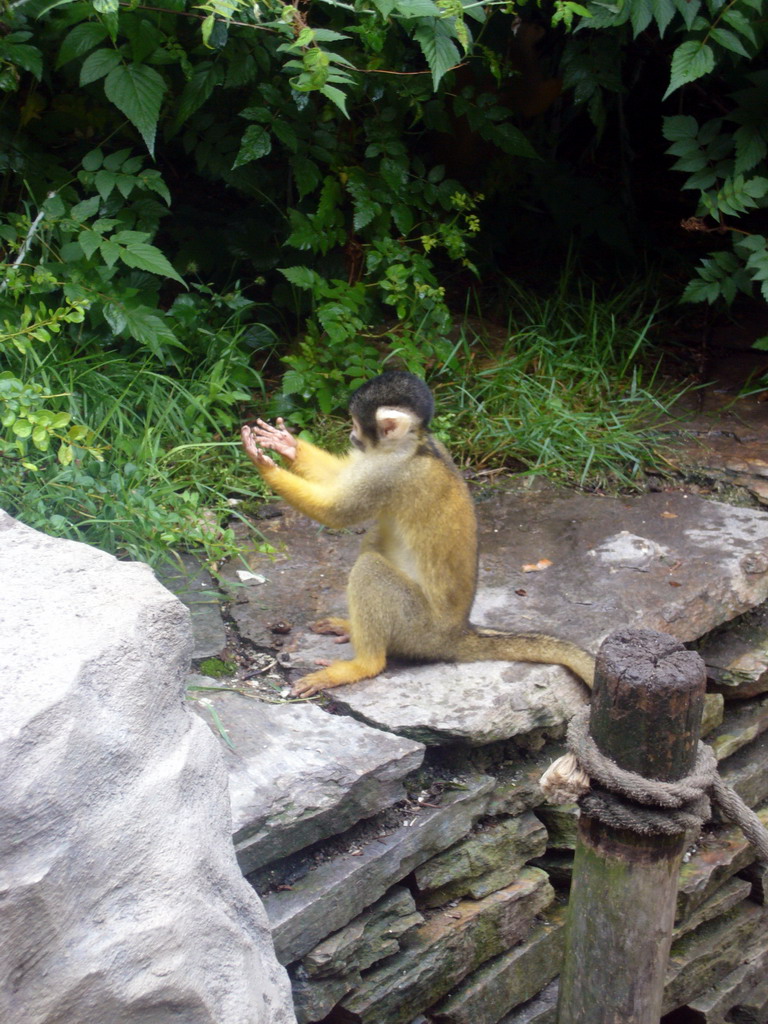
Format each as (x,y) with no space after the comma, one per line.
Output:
(394,388)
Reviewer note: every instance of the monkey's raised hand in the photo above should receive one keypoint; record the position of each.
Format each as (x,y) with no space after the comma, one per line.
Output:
(259,458)
(278,439)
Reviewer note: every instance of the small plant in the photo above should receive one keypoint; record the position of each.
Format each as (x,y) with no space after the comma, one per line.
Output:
(216,668)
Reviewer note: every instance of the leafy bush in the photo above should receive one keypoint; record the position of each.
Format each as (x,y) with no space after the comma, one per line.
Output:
(190,193)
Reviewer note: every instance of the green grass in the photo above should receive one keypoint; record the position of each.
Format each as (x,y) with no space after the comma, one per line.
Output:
(567,394)
(169,460)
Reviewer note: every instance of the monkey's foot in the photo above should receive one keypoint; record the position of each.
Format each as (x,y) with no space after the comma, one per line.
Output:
(338,673)
(332,627)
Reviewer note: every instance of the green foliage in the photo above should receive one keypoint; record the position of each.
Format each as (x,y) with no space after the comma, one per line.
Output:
(727,167)
(563,395)
(194,198)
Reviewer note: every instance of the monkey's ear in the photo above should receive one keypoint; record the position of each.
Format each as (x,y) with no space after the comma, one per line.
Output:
(392,424)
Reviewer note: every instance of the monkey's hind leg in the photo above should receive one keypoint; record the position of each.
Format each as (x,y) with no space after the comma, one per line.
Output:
(383,604)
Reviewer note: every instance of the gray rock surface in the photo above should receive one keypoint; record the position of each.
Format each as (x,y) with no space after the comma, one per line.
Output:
(122,899)
(444,950)
(373,935)
(671,562)
(737,656)
(194,586)
(508,980)
(329,896)
(490,858)
(297,774)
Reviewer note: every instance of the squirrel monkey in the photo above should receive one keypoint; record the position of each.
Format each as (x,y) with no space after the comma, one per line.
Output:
(411,589)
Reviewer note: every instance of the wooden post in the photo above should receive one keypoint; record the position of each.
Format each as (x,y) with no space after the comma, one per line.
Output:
(646,715)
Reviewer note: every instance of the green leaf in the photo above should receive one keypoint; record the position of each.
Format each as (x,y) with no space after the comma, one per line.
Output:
(417,9)
(110,252)
(293,382)
(680,127)
(301,277)
(22,428)
(741,23)
(137,91)
(663,13)
(151,330)
(691,60)
(115,317)
(365,209)
(255,143)
(751,147)
(105,181)
(689,9)
(148,257)
(41,439)
(335,96)
(402,215)
(306,174)
(437,46)
(89,241)
(81,40)
(97,65)
(93,160)
(66,454)
(511,140)
(197,90)
(640,15)
(729,40)
(27,57)
(87,208)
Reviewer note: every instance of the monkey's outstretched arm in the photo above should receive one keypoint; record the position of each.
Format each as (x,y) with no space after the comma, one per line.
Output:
(307,460)
(321,502)
(316,464)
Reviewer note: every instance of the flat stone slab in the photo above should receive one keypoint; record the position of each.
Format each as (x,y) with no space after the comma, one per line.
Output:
(298,774)
(671,562)
(737,657)
(329,896)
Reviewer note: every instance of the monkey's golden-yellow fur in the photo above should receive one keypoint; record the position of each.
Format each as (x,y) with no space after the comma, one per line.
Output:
(411,589)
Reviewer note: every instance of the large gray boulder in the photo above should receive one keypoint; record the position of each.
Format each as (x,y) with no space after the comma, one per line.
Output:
(122,899)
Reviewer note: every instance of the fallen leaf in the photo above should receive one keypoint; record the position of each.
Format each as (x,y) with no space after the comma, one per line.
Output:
(543,563)
(669,515)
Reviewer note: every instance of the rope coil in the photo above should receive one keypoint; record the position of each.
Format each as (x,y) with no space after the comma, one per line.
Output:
(623,799)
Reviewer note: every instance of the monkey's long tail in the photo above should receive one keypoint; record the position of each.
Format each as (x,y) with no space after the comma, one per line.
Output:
(481,644)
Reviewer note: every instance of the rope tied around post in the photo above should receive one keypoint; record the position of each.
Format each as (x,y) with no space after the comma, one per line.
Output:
(626,800)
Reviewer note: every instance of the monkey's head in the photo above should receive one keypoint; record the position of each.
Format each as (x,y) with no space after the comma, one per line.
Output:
(388,407)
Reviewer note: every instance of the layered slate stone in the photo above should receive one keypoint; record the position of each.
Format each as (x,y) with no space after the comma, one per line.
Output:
(298,775)
(737,656)
(329,896)
(443,951)
(720,854)
(743,722)
(489,859)
(508,980)
(333,967)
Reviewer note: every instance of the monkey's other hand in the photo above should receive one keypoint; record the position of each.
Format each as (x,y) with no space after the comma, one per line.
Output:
(278,438)
(259,458)
(332,627)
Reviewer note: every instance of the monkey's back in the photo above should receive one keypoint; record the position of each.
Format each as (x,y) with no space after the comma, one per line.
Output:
(427,528)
